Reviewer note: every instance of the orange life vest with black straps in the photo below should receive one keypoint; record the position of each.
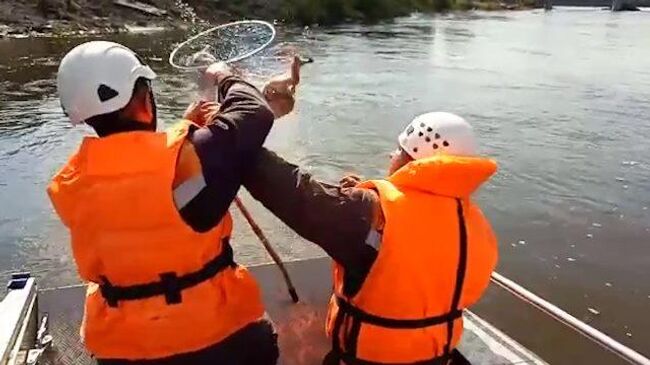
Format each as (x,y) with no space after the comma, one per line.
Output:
(436,256)
(156,287)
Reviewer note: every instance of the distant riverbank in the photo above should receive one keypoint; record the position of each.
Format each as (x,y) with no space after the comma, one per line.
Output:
(336,11)
(21,18)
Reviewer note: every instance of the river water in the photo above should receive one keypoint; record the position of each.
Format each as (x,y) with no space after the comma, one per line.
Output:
(560,99)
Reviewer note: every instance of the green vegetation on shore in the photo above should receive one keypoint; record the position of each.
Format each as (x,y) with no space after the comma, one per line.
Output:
(337,11)
(23,17)
(328,12)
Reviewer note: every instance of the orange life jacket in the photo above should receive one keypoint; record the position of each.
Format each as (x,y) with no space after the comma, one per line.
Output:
(157,287)
(436,256)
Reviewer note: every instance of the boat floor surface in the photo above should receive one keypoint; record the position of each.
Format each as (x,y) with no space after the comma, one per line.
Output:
(300,326)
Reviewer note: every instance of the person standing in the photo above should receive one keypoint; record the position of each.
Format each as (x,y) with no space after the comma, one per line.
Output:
(148,214)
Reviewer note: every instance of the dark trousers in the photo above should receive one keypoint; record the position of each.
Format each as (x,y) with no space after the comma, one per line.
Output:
(456,358)
(255,344)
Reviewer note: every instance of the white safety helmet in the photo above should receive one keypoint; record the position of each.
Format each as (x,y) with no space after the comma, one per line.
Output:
(439,132)
(97,78)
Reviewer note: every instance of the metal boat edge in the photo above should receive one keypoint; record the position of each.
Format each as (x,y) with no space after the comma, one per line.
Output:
(41,326)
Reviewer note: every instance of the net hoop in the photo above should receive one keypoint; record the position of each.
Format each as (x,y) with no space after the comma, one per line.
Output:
(231,60)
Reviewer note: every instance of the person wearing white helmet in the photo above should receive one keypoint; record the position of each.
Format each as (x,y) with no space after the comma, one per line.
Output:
(411,251)
(148,213)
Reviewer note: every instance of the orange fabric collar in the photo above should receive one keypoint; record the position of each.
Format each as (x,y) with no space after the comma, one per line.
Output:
(445,175)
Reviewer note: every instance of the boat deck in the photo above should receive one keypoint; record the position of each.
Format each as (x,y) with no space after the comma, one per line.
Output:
(300,326)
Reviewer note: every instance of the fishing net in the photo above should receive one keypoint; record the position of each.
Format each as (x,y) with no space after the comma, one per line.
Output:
(252,48)
(230,43)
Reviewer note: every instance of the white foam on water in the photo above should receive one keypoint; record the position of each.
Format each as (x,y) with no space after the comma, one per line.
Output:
(593,311)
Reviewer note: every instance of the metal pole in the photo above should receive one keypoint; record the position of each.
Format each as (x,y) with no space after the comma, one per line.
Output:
(267,245)
(572,322)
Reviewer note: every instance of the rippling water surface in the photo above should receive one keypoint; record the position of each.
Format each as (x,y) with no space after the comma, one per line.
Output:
(561,99)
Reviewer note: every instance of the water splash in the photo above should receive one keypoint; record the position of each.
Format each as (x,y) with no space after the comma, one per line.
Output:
(229,42)
(233,41)
(188,15)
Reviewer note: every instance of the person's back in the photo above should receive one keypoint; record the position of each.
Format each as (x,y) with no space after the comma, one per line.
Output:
(411,251)
(436,254)
(148,219)
(139,255)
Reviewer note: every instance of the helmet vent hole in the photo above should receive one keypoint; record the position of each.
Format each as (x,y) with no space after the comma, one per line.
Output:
(435,146)
(106,93)
(445,143)
(410,131)
(415,150)
(428,139)
(420,134)
(429,129)
(437,136)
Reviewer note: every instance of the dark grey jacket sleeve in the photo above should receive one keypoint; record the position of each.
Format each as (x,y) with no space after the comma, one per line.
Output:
(227,149)
(336,219)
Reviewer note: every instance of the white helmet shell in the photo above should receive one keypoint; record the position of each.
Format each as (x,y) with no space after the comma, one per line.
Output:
(97,78)
(439,132)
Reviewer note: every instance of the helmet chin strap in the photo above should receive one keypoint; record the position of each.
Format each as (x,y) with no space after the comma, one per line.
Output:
(154,111)
(116,123)
(106,128)
(131,125)
(137,125)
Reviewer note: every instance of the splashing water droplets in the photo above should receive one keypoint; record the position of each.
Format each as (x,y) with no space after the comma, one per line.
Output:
(246,45)
(188,15)
(227,43)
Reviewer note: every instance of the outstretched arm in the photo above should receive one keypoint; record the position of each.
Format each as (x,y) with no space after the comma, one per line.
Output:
(235,120)
(337,219)
(217,154)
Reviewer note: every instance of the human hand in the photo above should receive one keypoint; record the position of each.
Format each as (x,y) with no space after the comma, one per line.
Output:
(350,181)
(280,91)
(214,73)
(209,79)
(201,112)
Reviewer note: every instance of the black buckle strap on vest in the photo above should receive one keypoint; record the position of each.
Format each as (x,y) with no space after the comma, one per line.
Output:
(461,271)
(359,317)
(170,285)
(352,340)
(348,309)
(169,281)
(336,332)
